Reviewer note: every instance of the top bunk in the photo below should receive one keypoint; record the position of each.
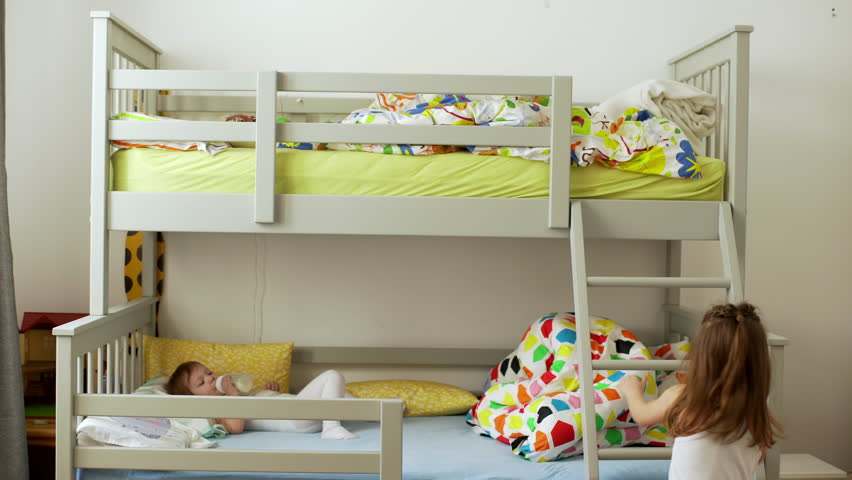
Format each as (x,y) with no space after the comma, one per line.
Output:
(256,187)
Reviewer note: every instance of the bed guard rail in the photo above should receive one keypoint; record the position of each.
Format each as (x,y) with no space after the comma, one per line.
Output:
(387,461)
(125,69)
(265,131)
(99,361)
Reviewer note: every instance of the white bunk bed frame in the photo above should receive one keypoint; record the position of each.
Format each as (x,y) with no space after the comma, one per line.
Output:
(102,345)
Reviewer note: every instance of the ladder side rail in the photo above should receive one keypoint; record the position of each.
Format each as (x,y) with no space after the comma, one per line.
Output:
(581,314)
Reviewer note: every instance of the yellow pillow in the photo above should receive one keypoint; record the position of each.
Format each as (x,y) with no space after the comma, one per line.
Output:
(263,361)
(421,398)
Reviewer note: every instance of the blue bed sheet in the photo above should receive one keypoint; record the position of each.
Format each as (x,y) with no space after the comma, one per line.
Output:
(443,448)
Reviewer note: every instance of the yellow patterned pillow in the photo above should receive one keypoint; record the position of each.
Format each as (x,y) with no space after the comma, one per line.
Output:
(263,361)
(421,398)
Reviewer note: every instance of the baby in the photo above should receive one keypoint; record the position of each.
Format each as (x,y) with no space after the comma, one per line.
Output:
(194,378)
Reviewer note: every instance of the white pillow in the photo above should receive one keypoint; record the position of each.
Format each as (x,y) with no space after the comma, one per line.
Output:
(139,432)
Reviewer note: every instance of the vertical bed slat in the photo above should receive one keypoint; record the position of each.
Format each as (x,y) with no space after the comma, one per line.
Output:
(125,356)
(134,360)
(115,95)
(116,370)
(124,97)
(264,189)
(140,360)
(110,368)
(709,86)
(726,100)
(78,364)
(151,96)
(80,388)
(90,372)
(559,201)
(133,66)
(717,73)
(99,371)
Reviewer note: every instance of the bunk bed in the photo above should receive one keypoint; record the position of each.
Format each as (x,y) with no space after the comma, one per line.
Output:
(102,345)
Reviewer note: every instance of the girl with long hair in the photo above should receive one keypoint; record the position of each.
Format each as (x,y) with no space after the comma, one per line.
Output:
(719,417)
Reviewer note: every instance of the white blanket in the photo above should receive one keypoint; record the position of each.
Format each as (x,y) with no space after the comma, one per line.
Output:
(139,433)
(691,109)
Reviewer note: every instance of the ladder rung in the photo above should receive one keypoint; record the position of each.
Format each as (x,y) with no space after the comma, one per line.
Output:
(662,282)
(635,453)
(638,365)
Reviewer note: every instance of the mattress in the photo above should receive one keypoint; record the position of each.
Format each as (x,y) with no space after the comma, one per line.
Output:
(433,448)
(359,173)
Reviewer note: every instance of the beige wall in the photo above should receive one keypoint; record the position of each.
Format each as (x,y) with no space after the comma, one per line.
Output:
(422,291)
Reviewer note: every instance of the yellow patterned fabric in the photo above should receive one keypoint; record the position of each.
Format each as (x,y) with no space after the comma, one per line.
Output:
(421,398)
(133,264)
(263,361)
(133,268)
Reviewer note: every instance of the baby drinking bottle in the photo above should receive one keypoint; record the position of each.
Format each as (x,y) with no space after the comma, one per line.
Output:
(242,381)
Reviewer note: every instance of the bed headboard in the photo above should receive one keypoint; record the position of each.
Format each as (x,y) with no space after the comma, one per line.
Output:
(720,66)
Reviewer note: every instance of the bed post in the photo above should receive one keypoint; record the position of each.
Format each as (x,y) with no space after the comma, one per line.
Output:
(99,236)
(66,422)
(66,365)
(772,463)
(149,278)
(737,161)
(559,206)
(729,52)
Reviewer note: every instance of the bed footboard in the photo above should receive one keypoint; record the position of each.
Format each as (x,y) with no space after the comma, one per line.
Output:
(98,354)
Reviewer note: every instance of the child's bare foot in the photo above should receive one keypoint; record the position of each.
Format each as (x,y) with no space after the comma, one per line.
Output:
(272,385)
(337,432)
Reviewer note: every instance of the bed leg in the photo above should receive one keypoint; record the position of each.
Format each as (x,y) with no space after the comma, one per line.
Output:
(391,438)
(66,422)
(772,462)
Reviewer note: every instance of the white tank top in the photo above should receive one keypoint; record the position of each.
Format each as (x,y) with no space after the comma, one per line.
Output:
(703,457)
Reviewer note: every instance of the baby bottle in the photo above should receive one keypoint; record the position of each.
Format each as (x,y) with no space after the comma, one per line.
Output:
(242,381)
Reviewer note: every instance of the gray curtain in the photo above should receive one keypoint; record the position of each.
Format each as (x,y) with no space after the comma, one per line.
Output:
(13,440)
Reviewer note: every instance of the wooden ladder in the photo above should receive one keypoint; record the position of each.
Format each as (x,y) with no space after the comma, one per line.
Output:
(731,281)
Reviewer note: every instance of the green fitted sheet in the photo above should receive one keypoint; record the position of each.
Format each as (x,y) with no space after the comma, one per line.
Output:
(357,173)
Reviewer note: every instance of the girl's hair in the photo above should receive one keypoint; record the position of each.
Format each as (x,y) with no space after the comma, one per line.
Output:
(727,380)
(178,383)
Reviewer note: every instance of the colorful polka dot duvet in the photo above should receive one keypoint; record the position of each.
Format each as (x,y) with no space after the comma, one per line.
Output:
(636,141)
(532,401)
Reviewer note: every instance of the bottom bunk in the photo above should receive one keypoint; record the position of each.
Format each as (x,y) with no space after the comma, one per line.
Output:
(433,448)
(394,448)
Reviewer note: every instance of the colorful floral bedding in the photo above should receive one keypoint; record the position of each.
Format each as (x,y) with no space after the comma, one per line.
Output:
(532,401)
(636,141)
(211,148)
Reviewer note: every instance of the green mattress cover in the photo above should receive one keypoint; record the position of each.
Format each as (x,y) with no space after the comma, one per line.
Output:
(356,173)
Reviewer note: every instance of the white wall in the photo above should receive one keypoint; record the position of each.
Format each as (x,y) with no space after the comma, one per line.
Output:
(799,268)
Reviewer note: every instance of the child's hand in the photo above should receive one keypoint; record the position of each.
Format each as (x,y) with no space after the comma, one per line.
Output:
(273,385)
(632,385)
(228,387)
